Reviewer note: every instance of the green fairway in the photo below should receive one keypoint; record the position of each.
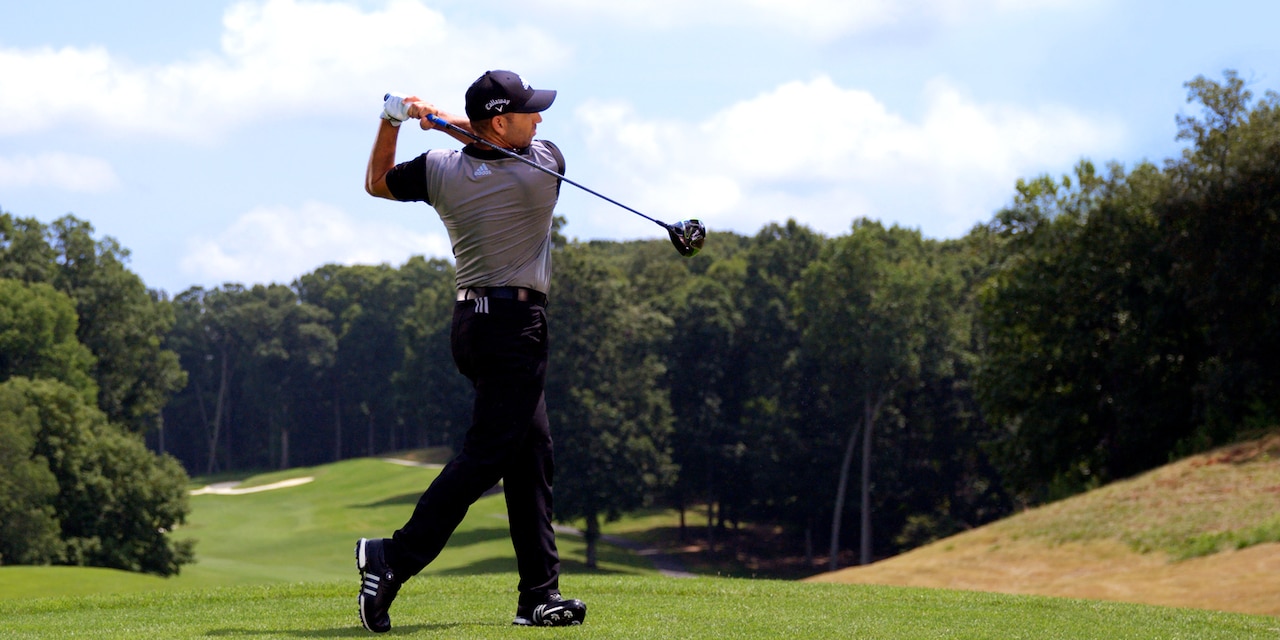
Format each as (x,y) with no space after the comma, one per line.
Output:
(278,564)
(619,607)
(307,533)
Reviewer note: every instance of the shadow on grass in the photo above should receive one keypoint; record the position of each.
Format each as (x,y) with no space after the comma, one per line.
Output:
(353,631)
(412,498)
(482,567)
(491,566)
(669,536)
(407,498)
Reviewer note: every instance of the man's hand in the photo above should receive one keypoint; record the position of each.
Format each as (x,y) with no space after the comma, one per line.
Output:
(395,108)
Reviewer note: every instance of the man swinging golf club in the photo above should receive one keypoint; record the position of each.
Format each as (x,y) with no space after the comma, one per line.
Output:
(497,210)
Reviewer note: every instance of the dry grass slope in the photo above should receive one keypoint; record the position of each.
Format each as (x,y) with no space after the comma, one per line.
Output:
(1202,532)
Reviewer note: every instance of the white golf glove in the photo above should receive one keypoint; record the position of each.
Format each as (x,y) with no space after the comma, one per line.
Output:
(394,109)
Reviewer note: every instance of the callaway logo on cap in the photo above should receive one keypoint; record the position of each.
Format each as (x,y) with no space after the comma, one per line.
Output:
(499,92)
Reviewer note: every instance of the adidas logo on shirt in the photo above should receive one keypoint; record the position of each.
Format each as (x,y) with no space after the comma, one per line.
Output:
(482,170)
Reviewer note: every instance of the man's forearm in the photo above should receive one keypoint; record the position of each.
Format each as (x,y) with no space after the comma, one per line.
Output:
(381,160)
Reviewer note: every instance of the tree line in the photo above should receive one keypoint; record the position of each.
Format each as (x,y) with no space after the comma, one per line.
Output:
(876,390)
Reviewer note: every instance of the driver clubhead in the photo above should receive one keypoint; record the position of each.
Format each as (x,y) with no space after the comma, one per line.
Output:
(688,236)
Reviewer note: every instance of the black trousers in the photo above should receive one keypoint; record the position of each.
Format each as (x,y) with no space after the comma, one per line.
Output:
(501,346)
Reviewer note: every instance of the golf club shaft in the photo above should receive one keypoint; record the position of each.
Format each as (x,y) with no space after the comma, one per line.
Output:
(440,122)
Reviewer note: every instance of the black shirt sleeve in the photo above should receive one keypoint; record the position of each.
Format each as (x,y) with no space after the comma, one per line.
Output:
(555,152)
(408,180)
(559,156)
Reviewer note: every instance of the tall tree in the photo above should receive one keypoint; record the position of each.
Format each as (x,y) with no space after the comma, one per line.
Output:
(211,346)
(29,529)
(38,337)
(607,409)
(433,398)
(775,385)
(291,347)
(37,341)
(704,373)
(937,478)
(369,308)
(862,306)
(1089,356)
(121,321)
(1221,223)
(25,253)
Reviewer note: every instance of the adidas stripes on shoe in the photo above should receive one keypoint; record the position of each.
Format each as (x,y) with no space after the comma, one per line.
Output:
(378,585)
(555,612)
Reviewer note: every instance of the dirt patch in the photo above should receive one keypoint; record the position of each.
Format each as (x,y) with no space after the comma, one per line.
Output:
(1263,449)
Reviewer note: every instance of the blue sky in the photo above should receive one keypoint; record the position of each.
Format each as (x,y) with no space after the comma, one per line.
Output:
(226,141)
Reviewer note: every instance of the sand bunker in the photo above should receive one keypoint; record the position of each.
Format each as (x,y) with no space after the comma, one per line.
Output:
(229,488)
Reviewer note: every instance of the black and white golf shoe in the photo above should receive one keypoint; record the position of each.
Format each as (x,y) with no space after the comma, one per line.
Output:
(555,612)
(378,585)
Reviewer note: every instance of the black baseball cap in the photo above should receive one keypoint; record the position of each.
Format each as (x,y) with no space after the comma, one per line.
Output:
(499,92)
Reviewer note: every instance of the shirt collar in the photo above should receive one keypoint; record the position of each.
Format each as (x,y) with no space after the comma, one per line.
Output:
(485,152)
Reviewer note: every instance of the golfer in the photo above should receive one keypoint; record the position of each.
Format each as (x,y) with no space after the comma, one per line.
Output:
(498,213)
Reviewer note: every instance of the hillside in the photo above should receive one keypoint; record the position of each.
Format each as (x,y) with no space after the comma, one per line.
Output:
(1202,532)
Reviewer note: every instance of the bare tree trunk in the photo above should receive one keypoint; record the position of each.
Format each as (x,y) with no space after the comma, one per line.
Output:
(682,523)
(228,439)
(392,445)
(868,417)
(337,427)
(592,535)
(808,545)
(833,559)
(369,414)
(215,432)
(711,525)
(204,413)
(284,448)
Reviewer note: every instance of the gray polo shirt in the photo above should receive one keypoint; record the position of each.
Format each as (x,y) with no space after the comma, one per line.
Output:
(496,209)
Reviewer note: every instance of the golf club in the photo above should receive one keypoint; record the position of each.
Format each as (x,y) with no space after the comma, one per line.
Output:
(688,236)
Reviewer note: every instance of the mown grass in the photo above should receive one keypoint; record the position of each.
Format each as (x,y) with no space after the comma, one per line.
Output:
(278,564)
(619,607)
(307,533)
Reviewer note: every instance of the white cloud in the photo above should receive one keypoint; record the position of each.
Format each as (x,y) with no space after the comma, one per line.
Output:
(822,19)
(278,58)
(278,244)
(65,171)
(755,162)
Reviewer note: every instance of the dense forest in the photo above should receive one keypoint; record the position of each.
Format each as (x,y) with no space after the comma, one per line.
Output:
(864,394)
